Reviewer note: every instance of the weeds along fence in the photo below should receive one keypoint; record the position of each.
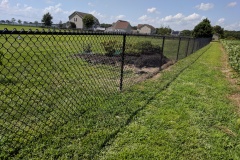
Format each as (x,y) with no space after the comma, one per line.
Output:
(48,78)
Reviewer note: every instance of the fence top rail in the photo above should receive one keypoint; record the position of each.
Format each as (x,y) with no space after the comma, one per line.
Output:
(79,32)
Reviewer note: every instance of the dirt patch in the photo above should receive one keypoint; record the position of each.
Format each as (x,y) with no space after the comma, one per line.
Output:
(144,66)
(147,61)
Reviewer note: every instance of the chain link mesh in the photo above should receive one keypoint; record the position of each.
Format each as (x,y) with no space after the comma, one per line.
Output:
(48,78)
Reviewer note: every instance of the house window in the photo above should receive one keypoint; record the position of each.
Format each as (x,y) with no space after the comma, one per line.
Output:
(75,19)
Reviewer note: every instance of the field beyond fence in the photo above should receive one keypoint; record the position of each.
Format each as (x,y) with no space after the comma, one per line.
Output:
(50,78)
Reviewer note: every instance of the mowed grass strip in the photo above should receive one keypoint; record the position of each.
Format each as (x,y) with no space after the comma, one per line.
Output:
(191,119)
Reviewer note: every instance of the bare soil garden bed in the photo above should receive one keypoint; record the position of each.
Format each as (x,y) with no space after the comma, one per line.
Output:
(139,61)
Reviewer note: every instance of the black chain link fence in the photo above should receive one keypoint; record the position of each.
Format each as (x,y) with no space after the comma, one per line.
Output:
(48,78)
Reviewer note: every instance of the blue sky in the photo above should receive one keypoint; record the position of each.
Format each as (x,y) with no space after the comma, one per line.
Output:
(177,14)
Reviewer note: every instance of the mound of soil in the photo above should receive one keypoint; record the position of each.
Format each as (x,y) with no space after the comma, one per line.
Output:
(143,60)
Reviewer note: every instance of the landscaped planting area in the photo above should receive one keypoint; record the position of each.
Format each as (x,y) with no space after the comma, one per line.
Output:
(58,88)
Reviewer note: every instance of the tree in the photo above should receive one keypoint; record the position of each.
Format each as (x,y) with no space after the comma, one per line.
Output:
(47,19)
(19,21)
(88,21)
(104,25)
(72,25)
(218,30)
(36,23)
(232,34)
(186,33)
(164,30)
(134,27)
(60,24)
(13,20)
(203,29)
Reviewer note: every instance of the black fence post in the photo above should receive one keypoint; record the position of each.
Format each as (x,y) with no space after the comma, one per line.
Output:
(193,45)
(161,60)
(187,47)
(179,43)
(122,63)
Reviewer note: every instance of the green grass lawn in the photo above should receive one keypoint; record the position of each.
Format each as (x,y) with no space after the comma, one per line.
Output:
(183,114)
(18,27)
(191,119)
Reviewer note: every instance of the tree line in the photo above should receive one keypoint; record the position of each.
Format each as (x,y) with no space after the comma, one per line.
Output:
(202,30)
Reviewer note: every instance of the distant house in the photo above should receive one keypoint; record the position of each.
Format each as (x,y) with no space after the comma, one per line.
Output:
(77,18)
(215,37)
(120,26)
(146,29)
(175,33)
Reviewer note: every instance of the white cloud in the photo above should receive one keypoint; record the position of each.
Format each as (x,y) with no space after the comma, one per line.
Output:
(151,10)
(221,21)
(120,16)
(192,17)
(143,18)
(234,26)
(49,1)
(54,9)
(90,4)
(180,21)
(232,4)
(175,18)
(4,4)
(97,14)
(205,6)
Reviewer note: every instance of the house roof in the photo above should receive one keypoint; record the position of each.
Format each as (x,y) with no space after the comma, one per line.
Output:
(175,32)
(80,14)
(142,25)
(120,24)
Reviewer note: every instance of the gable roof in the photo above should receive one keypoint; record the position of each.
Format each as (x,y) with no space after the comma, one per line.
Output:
(120,24)
(142,25)
(176,33)
(80,14)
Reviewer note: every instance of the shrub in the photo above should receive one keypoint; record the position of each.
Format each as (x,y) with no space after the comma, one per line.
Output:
(87,48)
(142,47)
(110,47)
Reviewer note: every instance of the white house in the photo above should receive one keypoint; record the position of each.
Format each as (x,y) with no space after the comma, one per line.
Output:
(120,26)
(146,29)
(77,18)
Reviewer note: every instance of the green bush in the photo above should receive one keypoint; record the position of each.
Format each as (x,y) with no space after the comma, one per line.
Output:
(110,47)
(142,47)
(87,48)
